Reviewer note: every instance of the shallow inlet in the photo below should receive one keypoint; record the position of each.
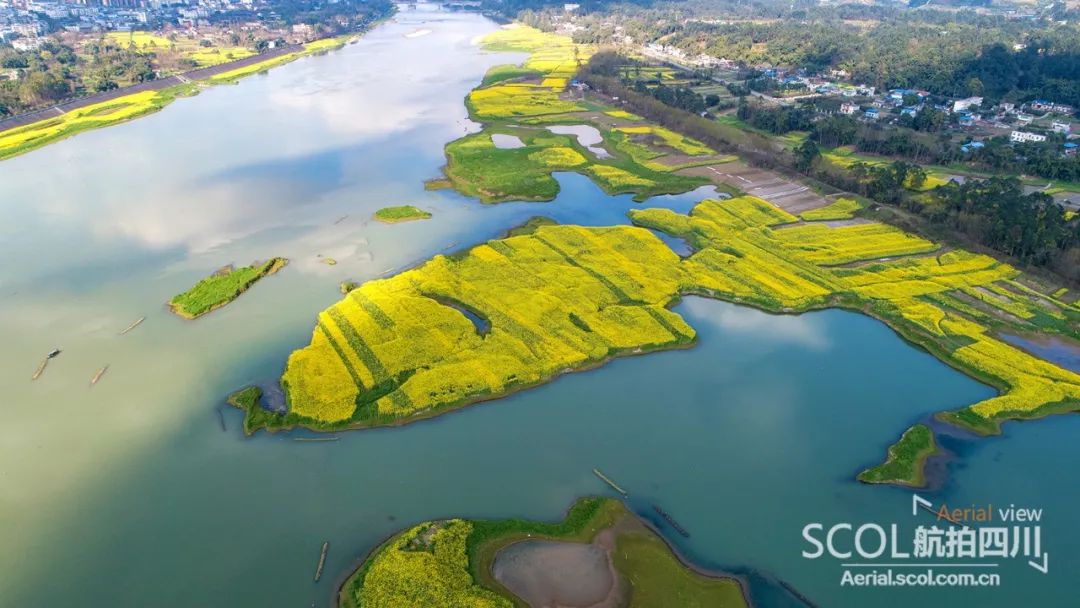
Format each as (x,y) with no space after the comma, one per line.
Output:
(548,574)
(503,141)
(587,135)
(1056,350)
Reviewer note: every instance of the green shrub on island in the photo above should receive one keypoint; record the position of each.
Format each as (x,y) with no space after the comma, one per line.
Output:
(401,213)
(222,287)
(904,464)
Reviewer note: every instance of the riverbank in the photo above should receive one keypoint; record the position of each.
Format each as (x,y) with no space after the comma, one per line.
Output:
(28,132)
(643,567)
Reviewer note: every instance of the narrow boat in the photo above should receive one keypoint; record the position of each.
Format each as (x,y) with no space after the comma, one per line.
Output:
(608,481)
(133,325)
(322,561)
(40,369)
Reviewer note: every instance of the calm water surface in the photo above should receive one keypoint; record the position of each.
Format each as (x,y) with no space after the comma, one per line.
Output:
(130,494)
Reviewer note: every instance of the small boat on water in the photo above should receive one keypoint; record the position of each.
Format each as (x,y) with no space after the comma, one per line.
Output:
(41,366)
(133,325)
(322,561)
(98,375)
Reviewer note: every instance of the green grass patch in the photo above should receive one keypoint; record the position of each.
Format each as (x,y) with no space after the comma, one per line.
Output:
(222,287)
(249,400)
(657,578)
(529,226)
(502,73)
(840,209)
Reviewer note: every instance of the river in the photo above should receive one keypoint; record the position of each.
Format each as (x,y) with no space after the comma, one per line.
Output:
(129,493)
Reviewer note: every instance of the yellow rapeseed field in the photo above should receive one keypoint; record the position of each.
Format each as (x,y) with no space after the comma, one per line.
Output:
(426,565)
(671,139)
(560,298)
(558,157)
(107,112)
(566,297)
(939,298)
(841,208)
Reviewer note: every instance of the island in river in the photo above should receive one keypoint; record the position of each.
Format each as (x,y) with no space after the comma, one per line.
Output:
(516,312)
(222,287)
(401,213)
(601,556)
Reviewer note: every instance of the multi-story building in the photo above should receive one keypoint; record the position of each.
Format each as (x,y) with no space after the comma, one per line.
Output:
(964,104)
(1026,137)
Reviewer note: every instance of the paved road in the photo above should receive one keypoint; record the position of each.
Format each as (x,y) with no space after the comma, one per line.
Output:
(152,85)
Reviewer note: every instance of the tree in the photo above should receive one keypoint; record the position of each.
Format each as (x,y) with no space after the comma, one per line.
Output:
(805,155)
(974,86)
(43,87)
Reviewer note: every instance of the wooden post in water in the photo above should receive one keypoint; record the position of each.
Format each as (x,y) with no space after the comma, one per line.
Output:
(608,481)
(322,561)
(40,369)
(133,325)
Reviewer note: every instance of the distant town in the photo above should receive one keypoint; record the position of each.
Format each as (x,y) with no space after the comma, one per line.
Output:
(25,24)
(55,50)
(1036,121)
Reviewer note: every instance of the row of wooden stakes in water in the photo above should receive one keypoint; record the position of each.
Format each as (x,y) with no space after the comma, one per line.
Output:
(97,375)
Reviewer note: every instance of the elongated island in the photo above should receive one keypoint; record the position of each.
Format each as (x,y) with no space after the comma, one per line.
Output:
(222,287)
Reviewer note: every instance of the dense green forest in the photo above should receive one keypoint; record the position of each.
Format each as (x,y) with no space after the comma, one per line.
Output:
(950,53)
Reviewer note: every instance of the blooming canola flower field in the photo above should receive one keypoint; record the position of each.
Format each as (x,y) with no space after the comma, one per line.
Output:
(520,100)
(565,298)
(561,298)
(924,297)
(425,565)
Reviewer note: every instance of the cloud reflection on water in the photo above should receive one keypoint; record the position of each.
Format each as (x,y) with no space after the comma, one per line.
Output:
(767,329)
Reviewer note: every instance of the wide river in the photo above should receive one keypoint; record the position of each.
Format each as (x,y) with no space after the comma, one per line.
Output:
(130,493)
